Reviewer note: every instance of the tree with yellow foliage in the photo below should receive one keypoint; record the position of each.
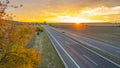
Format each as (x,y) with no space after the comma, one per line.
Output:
(13,39)
(12,51)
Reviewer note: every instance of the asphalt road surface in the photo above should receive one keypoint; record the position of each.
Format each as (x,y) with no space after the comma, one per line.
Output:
(73,54)
(102,46)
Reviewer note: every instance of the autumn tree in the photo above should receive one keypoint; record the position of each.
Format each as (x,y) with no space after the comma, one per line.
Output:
(13,39)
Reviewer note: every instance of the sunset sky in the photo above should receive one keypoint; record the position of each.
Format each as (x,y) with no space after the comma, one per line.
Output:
(66,10)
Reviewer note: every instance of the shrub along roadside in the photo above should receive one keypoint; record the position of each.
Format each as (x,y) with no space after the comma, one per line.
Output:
(50,58)
(13,38)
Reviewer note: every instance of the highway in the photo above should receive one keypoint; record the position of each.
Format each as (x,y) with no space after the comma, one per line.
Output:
(75,55)
(102,46)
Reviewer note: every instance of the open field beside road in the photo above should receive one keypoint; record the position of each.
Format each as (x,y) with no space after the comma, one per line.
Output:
(107,56)
(49,57)
(105,34)
(109,34)
(82,56)
(92,36)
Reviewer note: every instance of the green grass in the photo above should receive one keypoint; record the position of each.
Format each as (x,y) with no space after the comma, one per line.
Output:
(49,57)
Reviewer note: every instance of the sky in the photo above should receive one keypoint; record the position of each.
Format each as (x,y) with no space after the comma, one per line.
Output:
(66,10)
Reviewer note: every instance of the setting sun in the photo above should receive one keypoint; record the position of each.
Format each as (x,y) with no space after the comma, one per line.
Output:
(71,19)
(45,10)
(77,22)
(59,33)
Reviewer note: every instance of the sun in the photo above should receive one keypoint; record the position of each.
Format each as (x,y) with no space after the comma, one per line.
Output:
(77,22)
(71,19)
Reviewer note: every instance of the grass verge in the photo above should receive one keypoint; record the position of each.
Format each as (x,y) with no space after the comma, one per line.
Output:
(49,57)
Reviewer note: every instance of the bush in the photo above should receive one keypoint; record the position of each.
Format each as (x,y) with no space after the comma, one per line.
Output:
(12,51)
(39,29)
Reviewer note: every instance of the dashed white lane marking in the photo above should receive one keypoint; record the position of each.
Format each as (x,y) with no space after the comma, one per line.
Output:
(90,60)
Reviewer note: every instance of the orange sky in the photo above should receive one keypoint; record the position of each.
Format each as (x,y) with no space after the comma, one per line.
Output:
(66,10)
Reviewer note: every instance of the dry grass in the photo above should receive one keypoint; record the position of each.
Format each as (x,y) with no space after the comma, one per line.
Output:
(50,58)
(109,34)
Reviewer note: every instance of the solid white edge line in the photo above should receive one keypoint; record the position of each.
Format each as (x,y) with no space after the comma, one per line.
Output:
(96,53)
(58,52)
(102,56)
(65,51)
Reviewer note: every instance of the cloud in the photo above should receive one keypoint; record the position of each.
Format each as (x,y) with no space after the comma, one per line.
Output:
(63,4)
(51,8)
(101,11)
(82,3)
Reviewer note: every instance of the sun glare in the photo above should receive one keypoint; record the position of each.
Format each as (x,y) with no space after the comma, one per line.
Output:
(71,19)
(77,22)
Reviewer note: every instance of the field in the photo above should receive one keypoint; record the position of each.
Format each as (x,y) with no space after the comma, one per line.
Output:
(109,34)
(49,57)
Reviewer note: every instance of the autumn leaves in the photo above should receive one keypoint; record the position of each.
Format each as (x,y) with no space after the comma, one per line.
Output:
(13,38)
